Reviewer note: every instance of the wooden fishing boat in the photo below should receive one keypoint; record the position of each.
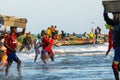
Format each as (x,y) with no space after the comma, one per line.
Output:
(80,41)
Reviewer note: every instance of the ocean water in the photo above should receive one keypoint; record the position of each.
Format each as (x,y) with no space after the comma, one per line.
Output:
(81,62)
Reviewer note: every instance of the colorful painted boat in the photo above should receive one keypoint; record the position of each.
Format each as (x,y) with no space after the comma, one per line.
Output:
(80,41)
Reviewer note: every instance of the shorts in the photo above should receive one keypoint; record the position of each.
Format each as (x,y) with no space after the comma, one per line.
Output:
(50,54)
(117,54)
(12,57)
(44,54)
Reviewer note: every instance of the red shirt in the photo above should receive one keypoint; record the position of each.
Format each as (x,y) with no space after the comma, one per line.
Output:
(51,41)
(110,39)
(11,41)
(45,42)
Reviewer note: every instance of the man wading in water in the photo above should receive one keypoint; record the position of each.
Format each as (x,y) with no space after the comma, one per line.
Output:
(115,22)
(10,43)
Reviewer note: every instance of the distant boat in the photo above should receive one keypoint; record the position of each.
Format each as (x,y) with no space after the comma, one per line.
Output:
(79,41)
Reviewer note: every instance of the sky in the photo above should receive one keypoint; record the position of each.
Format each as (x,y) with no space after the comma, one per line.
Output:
(77,16)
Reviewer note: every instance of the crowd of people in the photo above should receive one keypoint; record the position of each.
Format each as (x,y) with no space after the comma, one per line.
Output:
(94,34)
(8,46)
(44,41)
(42,44)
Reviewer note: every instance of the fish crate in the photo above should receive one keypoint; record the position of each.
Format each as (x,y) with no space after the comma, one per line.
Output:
(14,22)
(112,5)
